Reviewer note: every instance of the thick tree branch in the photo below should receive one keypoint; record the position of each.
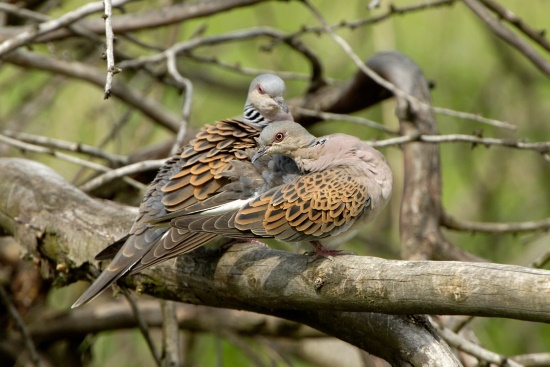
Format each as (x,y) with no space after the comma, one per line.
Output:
(105,316)
(38,206)
(62,228)
(52,219)
(421,235)
(249,272)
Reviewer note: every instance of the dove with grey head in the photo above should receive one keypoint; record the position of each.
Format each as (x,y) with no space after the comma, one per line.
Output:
(342,184)
(259,110)
(186,179)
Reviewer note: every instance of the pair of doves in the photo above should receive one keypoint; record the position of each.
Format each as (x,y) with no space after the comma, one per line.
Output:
(261,176)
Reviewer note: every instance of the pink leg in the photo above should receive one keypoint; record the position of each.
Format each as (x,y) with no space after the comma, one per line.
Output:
(320,250)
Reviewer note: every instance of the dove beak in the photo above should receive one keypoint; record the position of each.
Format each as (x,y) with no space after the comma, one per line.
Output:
(281,102)
(260,153)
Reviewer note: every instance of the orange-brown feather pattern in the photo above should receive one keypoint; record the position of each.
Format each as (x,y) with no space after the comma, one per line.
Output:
(315,205)
(209,154)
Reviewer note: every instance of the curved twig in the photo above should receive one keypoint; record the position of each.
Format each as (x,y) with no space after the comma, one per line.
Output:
(186,46)
(43,28)
(70,146)
(450,222)
(66,157)
(508,36)
(503,13)
(84,72)
(109,52)
(343,117)
(142,325)
(121,172)
(473,349)
(185,84)
(12,311)
(542,147)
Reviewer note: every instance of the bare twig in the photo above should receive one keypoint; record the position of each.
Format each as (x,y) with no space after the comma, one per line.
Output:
(12,311)
(373,4)
(533,359)
(135,40)
(392,10)
(541,261)
(122,121)
(507,35)
(474,117)
(386,84)
(142,325)
(278,358)
(115,128)
(239,342)
(287,75)
(109,41)
(49,26)
(186,46)
(121,172)
(34,103)
(473,349)
(66,157)
(463,322)
(503,13)
(113,315)
(170,334)
(82,71)
(354,57)
(541,147)
(343,117)
(23,13)
(513,227)
(186,112)
(149,18)
(239,35)
(218,350)
(43,150)
(90,150)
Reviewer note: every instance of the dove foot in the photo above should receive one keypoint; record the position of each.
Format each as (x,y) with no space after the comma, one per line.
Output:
(321,251)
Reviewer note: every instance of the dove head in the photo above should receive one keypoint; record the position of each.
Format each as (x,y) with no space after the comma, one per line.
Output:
(284,138)
(265,102)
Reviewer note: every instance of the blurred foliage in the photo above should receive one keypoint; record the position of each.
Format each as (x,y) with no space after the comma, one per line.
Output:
(472,70)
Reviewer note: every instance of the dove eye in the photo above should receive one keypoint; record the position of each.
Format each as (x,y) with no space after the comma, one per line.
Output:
(260,89)
(279,137)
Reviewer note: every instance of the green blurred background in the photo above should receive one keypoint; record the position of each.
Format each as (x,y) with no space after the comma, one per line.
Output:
(472,69)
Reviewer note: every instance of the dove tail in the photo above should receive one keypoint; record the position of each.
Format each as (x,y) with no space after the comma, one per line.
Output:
(105,279)
(123,262)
